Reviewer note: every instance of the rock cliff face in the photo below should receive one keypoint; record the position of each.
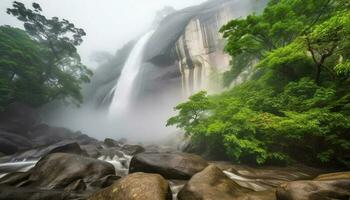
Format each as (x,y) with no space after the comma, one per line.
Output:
(187,48)
(200,49)
(184,55)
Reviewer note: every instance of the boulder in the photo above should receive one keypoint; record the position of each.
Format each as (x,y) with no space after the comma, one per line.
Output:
(10,143)
(20,130)
(176,186)
(137,186)
(132,149)
(261,195)
(9,167)
(14,179)
(77,186)
(266,177)
(324,187)
(18,118)
(7,147)
(159,149)
(62,171)
(110,153)
(169,165)
(112,143)
(44,135)
(105,181)
(83,139)
(12,193)
(333,176)
(93,150)
(210,184)
(72,148)
(65,146)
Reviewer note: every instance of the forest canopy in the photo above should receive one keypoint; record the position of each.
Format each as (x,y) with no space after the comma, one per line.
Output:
(41,63)
(296,106)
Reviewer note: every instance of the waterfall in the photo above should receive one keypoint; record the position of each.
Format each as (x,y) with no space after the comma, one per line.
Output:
(123,89)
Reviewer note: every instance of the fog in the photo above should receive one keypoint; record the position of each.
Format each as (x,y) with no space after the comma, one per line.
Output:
(109,24)
(145,124)
(126,116)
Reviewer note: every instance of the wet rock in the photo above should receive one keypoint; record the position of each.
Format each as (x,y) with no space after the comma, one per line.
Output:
(83,139)
(176,186)
(333,176)
(132,149)
(267,177)
(10,143)
(111,153)
(8,147)
(261,195)
(14,179)
(18,118)
(44,135)
(78,186)
(20,130)
(72,148)
(9,167)
(335,186)
(12,193)
(169,165)
(137,186)
(61,170)
(159,149)
(65,146)
(209,184)
(93,150)
(112,143)
(105,181)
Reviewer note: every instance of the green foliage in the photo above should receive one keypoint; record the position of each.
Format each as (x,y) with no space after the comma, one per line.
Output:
(297,123)
(343,68)
(20,68)
(295,28)
(238,65)
(297,105)
(41,64)
(190,112)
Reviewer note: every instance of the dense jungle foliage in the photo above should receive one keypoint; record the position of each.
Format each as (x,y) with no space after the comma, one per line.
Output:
(296,106)
(40,64)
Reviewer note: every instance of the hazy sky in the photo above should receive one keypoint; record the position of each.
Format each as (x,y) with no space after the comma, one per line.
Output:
(109,23)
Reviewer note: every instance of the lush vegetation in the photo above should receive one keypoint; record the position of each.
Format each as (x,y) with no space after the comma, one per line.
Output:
(40,64)
(296,107)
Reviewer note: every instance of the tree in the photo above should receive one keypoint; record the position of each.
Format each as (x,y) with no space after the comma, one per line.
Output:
(64,73)
(191,112)
(296,106)
(330,39)
(21,68)
(281,23)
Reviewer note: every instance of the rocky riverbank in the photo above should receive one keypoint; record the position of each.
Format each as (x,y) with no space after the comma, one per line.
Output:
(55,163)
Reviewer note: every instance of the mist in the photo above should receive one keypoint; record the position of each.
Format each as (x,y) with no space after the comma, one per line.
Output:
(174,99)
(109,24)
(144,123)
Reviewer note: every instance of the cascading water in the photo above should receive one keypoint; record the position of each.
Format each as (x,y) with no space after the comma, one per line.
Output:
(123,89)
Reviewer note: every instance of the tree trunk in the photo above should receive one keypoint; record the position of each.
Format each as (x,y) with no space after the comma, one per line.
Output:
(318,74)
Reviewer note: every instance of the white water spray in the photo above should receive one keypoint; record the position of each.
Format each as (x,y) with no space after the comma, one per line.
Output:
(123,89)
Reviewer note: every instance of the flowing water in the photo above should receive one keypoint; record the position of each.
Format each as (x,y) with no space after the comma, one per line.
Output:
(123,89)
(19,166)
